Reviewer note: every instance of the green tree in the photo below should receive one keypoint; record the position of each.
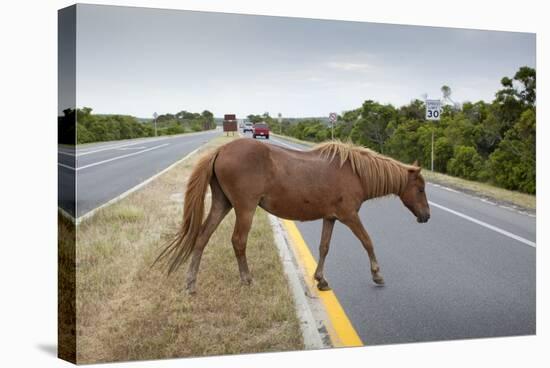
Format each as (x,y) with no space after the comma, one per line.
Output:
(255,118)
(371,129)
(208,119)
(513,163)
(527,77)
(403,144)
(514,98)
(443,151)
(465,163)
(415,110)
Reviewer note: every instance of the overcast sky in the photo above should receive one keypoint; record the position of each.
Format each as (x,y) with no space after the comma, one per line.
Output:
(137,61)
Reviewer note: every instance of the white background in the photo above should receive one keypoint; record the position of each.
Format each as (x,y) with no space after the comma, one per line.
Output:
(28,187)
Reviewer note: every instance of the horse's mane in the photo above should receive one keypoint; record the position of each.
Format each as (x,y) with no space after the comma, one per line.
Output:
(381,175)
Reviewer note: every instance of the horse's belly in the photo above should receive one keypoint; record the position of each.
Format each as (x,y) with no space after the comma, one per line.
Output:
(302,209)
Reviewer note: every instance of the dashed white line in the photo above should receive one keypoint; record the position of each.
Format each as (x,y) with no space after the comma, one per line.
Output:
(114,158)
(288,145)
(66,153)
(65,166)
(133,189)
(130,148)
(444,188)
(112,147)
(123,156)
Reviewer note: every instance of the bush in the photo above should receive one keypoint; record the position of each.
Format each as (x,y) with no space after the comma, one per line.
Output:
(466,163)
(83,134)
(513,163)
(97,128)
(443,151)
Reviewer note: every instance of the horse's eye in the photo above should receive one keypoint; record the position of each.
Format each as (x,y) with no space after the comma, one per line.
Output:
(421,190)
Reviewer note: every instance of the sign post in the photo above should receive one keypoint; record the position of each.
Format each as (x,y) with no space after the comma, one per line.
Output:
(332,118)
(433,112)
(280,119)
(155,116)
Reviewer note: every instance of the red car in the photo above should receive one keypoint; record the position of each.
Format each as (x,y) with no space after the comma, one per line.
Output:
(260,129)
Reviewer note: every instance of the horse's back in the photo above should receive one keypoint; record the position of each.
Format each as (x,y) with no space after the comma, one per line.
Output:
(291,184)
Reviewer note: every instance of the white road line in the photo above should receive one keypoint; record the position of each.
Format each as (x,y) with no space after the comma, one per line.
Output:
(66,166)
(288,145)
(112,147)
(444,188)
(133,189)
(130,148)
(66,153)
(484,224)
(83,151)
(120,157)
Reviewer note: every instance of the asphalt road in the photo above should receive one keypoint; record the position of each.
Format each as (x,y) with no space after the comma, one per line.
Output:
(468,273)
(106,170)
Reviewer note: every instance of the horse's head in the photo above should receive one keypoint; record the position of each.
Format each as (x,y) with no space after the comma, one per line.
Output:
(414,196)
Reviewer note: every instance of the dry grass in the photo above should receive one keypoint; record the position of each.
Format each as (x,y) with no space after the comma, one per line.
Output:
(66,294)
(128,311)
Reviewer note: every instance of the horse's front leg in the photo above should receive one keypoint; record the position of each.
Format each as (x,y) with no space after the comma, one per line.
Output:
(354,223)
(328,225)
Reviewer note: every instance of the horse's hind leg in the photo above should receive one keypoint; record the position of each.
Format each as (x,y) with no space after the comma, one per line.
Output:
(354,223)
(219,209)
(239,239)
(328,225)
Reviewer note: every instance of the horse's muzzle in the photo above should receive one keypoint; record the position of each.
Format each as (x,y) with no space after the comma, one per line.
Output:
(423,218)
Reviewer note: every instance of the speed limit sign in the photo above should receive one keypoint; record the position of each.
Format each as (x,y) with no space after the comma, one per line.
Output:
(433,109)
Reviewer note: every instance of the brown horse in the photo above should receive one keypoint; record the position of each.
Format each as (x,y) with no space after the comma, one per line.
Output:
(329,182)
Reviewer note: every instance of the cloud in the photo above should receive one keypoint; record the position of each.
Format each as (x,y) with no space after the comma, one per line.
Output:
(348,66)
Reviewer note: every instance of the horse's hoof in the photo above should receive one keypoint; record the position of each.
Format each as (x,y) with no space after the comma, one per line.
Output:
(378,280)
(323,286)
(246,282)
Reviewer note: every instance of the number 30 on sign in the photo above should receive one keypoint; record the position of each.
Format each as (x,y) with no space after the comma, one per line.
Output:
(433,109)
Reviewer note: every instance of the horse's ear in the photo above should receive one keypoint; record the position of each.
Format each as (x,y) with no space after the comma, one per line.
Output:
(414,170)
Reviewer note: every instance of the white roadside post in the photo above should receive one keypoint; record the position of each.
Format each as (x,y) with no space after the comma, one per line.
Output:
(332,117)
(280,119)
(155,115)
(433,112)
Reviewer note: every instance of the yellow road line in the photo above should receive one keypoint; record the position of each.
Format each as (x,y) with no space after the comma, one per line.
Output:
(340,329)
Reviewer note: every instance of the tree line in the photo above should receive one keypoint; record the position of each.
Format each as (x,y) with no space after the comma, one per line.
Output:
(489,142)
(97,128)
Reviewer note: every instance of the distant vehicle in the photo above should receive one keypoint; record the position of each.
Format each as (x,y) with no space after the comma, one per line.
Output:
(260,129)
(248,127)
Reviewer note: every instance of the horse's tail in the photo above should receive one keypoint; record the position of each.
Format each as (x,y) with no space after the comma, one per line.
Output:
(180,248)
